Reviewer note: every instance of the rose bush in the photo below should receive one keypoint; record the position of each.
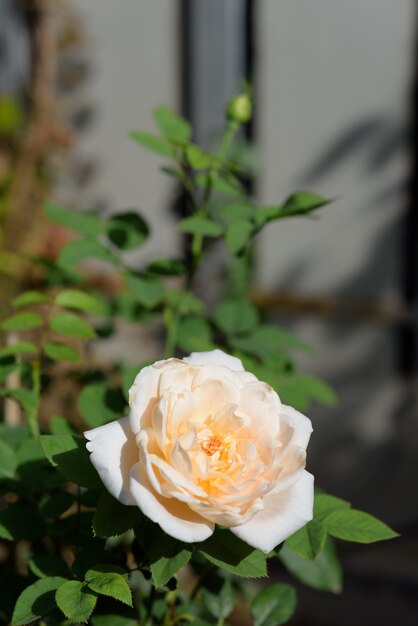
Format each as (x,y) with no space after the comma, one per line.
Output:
(207,443)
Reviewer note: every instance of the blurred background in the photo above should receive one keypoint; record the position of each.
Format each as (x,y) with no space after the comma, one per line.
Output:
(336,106)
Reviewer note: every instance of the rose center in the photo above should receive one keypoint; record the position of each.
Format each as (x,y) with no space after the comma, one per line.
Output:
(210,445)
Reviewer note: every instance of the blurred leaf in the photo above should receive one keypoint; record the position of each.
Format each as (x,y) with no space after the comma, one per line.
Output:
(267,340)
(71,458)
(309,541)
(237,235)
(27,399)
(197,158)
(167,267)
(317,389)
(76,601)
(11,115)
(127,230)
(20,521)
(167,556)
(60,352)
(112,518)
(147,291)
(194,334)
(55,504)
(20,347)
(274,605)
(323,573)
(155,144)
(228,552)
(220,604)
(8,364)
(237,212)
(80,249)
(61,426)
(22,321)
(358,526)
(234,317)
(71,325)
(44,565)
(99,405)
(299,203)
(14,435)
(30,297)
(171,124)
(109,580)
(200,226)
(8,460)
(230,187)
(36,601)
(84,223)
(76,299)
(185,303)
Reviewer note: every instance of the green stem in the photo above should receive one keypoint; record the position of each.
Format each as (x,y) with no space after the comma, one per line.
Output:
(32,413)
(221,621)
(197,241)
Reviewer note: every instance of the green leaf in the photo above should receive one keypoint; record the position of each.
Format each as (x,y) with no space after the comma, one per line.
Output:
(323,573)
(76,299)
(115,619)
(234,317)
(129,375)
(127,230)
(71,458)
(237,235)
(78,250)
(98,404)
(237,212)
(194,334)
(7,365)
(76,601)
(109,580)
(55,504)
(8,460)
(274,605)
(14,435)
(27,399)
(197,158)
(22,321)
(325,504)
(44,565)
(30,297)
(309,541)
(230,187)
(220,604)
(60,352)
(71,325)
(185,303)
(167,556)
(20,521)
(60,426)
(358,526)
(20,347)
(90,554)
(317,389)
(197,225)
(228,552)
(267,340)
(147,291)
(112,518)
(154,143)
(303,202)
(84,223)
(167,267)
(33,468)
(36,601)
(171,124)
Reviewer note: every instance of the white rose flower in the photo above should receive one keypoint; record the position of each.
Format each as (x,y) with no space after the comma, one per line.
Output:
(208,443)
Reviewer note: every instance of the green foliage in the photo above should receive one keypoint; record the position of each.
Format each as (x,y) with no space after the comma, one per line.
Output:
(127,231)
(71,325)
(79,300)
(194,334)
(8,460)
(109,580)
(352,525)
(20,347)
(71,458)
(28,298)
(37,600)
(235,317)
(78,250)
(200,226)
(60,352)
(98,404)
(27,320)
(76,601)
(324,572)
(155,144)
(228,552)
(83,223)
(171,125)
(274,605)
(146,290)
(309,541)
(220,604)
(112,518)
(45,565)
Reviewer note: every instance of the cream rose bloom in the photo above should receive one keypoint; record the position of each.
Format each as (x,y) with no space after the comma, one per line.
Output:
(208,443)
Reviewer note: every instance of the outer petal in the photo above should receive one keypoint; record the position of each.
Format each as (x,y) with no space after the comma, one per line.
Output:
(300,423)
(283,514)
(174,517)
(215,357)
(113,453)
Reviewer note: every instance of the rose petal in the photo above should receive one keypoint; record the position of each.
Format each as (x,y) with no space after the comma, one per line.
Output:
(215,357)
(173,516)
(113,454)
(302,426)
(283,514)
